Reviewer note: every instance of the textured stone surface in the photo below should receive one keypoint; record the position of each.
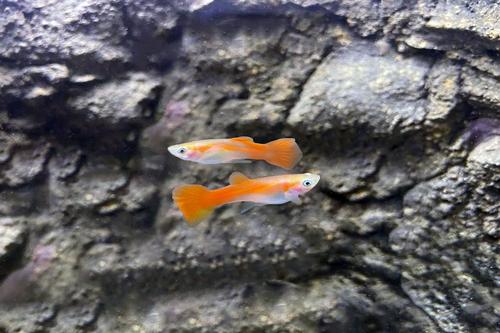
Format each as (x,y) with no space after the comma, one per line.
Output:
(118,103)
(25,165)
(394,103)
(473,24)
(355,85)
(44,31)
(487,152)
(11,239)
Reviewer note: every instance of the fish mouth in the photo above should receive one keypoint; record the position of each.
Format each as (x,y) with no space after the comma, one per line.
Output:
(316,178)
(172,150)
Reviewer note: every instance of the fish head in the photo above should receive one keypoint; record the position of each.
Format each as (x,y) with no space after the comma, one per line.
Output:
(185,151)
(305,182)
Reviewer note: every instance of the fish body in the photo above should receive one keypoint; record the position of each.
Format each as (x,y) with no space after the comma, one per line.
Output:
(284,153)
(197,202)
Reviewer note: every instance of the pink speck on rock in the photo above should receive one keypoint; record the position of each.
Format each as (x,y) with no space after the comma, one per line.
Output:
(174,114)
(42,256)
(481,129)
(19,284)
(157,135)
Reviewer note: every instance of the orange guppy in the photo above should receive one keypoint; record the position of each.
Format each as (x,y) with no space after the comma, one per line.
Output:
(197,202)
(284,153)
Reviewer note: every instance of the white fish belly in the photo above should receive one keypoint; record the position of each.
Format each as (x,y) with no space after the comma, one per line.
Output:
(275,199)
(218,157)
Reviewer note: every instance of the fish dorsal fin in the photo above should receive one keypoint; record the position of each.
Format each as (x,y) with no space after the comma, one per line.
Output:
(243,139)
(237,177)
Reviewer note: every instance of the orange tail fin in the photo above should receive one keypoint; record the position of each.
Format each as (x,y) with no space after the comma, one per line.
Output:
(193,202)
(284,153)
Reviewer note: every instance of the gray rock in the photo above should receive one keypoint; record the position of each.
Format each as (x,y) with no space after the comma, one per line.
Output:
(97,183)
(443,222)
(118,103)
(212,46)
(8,143)
(244,116)
(458,25)
(33,82)
(358,95)
(12,237)
(26,164)
(141,193)
(66,162)
(47,31)
(150,26)
(482,89)
(372,218)
(487,152)
(444,84)
(16,202)
(350,173)
(357,87)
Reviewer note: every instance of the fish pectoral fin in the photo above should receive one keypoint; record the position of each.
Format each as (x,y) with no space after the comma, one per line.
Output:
(243,139)
(241,161)
(249,206)
(237,177)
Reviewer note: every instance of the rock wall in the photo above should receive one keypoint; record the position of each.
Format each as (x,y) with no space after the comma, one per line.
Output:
(395,103)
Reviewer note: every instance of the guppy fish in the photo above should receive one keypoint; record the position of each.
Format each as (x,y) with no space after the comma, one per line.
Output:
(197,202)
(284,153)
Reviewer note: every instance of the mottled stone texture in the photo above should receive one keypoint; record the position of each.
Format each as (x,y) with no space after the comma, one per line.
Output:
(395,103)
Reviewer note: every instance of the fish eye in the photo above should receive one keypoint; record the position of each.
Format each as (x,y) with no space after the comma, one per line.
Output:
(182,150)
(307,183)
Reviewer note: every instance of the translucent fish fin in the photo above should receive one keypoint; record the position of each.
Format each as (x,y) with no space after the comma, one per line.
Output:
(249,206)
(284,153)
(243,139)
(237,177)
(193,202)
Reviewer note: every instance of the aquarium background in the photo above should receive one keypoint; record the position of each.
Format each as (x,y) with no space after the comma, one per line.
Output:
(396,104)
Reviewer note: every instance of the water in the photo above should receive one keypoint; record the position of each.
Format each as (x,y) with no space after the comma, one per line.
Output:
(394,105)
